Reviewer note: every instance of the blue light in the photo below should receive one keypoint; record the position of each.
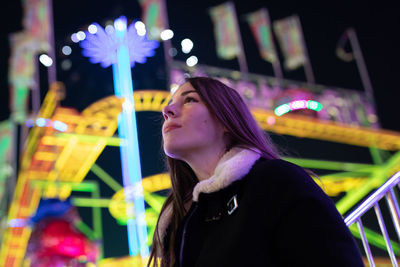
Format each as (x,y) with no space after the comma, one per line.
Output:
(60,126)
(30,123)
(101,47)
(120,24)
(121,49)
(41,122)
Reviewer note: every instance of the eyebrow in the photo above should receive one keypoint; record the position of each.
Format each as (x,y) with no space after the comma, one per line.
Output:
(183,94)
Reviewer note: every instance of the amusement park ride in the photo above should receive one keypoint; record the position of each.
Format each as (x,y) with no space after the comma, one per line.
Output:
(63,145)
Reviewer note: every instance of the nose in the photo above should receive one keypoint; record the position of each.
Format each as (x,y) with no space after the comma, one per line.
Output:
(169,112)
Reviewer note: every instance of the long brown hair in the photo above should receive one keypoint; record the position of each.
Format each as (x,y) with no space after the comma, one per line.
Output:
(229,108)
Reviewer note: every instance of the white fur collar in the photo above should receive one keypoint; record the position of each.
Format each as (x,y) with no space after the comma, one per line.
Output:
(233,166)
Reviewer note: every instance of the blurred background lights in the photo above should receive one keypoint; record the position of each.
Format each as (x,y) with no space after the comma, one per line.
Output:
(120,24)
(41,122)
(271,120)
(296,105)
(30,123)
(66,64)
(140,28)
(109,29)
(74,38)
(66,50)
(187,45)
(60,126)
(172,52)
(45,60)
(166,34)
(92,28)
(154,32)
(191,61)
(81,35)
(17,223)
(127,105)
(140,25)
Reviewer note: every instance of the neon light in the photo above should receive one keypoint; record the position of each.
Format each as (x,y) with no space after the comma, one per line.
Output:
(296,105)
(74,38)
(46,60)
(17,223)
(166,34)
(30,123)
(122,47)
(102,46)
(60,126)
(187,45)
(41,122)
(192,61)
(66,50)
(92,29)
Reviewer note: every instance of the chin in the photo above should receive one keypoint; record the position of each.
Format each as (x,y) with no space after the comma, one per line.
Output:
(174,152)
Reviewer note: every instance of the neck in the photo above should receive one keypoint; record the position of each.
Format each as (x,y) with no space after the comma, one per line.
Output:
(203,163)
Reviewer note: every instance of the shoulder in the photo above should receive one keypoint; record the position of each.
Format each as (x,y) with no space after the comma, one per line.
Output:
(278,171)
(281,179)
(277,166)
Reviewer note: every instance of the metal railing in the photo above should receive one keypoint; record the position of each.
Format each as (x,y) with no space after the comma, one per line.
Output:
(386,190)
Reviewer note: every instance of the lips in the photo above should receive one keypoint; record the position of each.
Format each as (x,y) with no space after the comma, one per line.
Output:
(171,127)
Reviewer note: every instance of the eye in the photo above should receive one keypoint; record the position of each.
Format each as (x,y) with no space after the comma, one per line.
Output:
(190,99)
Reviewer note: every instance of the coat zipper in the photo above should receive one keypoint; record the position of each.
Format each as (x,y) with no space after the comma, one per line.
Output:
(184,233)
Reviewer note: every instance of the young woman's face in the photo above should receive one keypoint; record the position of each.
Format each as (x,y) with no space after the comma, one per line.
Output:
(189,127)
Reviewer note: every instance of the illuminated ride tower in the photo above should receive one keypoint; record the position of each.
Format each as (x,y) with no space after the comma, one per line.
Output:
(122,49)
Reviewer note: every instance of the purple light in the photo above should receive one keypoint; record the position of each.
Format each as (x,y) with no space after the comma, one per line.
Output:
(102,47)
(30,123)
(17,223)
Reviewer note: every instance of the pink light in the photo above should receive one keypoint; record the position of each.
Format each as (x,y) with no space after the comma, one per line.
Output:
(298,104)
(271,120)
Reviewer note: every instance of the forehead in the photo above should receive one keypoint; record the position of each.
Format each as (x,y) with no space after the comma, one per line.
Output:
(183,88)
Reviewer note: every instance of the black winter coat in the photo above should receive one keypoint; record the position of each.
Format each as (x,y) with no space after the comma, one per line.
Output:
(281,218)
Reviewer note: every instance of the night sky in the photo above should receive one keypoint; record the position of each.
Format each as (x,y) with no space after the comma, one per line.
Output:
(323,23)
(377,26)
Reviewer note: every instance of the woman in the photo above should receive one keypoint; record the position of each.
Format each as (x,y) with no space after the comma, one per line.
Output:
(233,201)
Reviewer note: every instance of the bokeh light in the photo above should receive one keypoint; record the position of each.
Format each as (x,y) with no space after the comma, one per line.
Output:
(191,61)
(187,45)
(66,50)
(45,60)
(166,34)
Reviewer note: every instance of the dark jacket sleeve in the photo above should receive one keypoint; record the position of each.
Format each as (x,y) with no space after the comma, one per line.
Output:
(308,229)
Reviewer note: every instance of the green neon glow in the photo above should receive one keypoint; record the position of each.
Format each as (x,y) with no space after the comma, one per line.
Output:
(376,155)
(105,177)
(375,239)
(155,201)
(87,186)
(111,141)
(282,109)
(91,202)
(97,222)
(296,105)
(84,228)
(314,105)
(378,177)
(332,165)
